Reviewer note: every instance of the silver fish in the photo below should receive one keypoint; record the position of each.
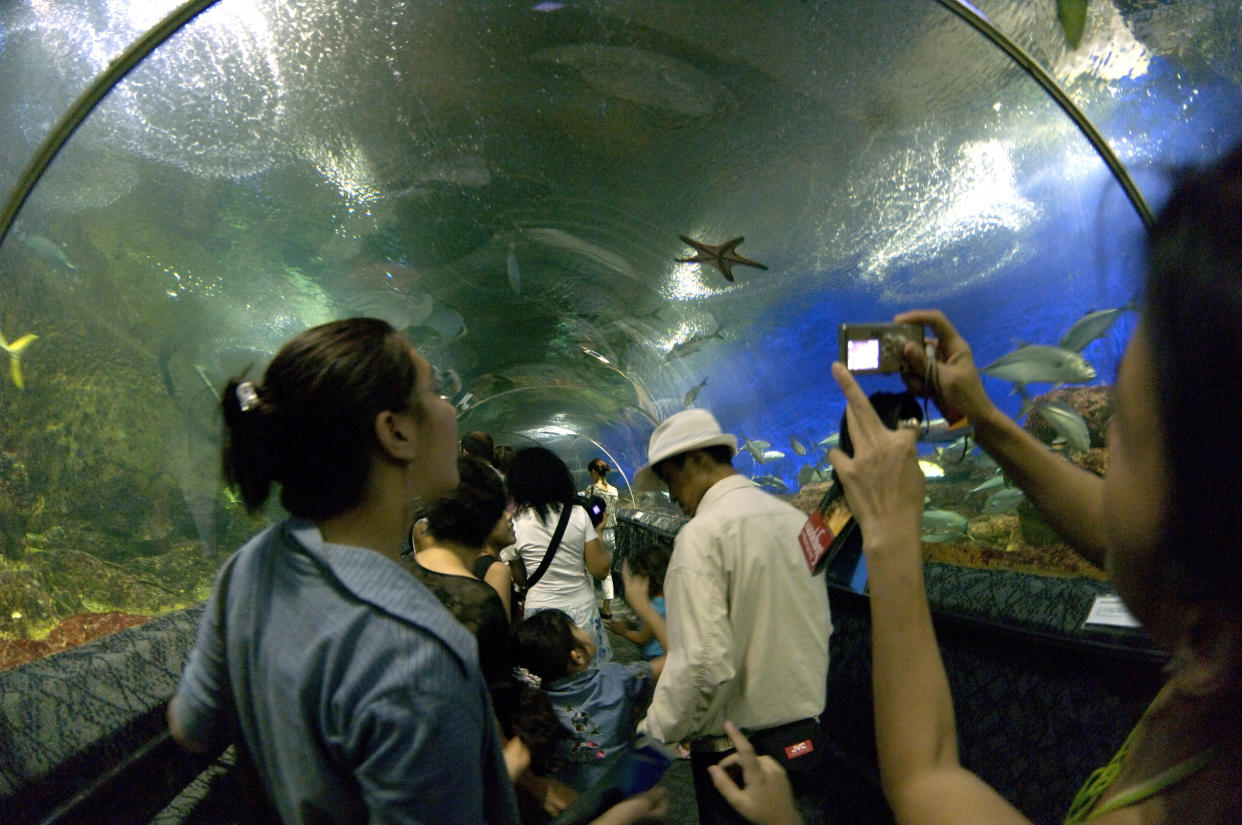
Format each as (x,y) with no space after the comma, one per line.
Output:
(797,446)
(831,441)
(944,521)
(1040,364)
(939,431)
(1089,327)
(515,274)
(400,309)
(44,248)
(1003,501)
(1067,422)
(809,475)
(771,482)
(572,243)
(755,448)
(691,345)
(693,393)
(991,484)
(770,455)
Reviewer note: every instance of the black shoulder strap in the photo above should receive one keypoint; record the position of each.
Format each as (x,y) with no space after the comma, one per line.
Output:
(556,542)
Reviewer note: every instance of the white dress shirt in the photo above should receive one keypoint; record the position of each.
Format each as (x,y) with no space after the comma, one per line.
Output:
(748,625)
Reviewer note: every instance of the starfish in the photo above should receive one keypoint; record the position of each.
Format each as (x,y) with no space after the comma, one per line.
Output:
(722,256)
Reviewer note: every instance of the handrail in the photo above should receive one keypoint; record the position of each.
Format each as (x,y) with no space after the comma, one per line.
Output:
(982,25)
(86,102)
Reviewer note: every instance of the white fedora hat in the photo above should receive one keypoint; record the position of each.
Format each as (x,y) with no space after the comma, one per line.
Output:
(677,434)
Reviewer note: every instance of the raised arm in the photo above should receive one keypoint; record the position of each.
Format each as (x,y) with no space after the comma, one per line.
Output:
(637,598)
(597,562)
(1067,496)
(916,737)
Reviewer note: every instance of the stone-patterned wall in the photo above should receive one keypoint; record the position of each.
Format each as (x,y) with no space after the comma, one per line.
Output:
(69,719)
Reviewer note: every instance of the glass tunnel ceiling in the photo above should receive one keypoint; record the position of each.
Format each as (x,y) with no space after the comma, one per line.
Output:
(509,182)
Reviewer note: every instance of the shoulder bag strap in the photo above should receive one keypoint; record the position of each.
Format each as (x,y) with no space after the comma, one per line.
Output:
(533,578)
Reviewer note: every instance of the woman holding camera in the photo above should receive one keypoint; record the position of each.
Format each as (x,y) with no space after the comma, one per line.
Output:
(1165,523)
(543,492)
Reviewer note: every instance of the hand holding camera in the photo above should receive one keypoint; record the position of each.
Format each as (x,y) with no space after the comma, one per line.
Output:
(952,379)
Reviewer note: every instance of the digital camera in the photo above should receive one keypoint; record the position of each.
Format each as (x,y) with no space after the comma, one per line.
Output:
(871,349)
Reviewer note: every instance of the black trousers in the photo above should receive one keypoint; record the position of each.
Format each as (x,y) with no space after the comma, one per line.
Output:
(713,808)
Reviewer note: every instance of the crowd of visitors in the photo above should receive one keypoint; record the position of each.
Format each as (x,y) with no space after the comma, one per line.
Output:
(421,641)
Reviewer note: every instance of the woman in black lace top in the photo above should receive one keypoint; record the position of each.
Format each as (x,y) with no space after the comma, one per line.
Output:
(446,540)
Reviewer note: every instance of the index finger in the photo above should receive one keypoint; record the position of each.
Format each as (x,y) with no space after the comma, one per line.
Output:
(934,318)
(745,751)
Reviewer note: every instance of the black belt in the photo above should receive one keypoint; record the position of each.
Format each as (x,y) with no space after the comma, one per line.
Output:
(723,744)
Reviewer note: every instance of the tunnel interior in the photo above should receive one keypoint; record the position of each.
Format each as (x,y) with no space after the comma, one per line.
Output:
(516,185)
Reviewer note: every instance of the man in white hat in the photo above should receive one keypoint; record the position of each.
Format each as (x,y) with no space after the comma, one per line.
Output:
(748,624)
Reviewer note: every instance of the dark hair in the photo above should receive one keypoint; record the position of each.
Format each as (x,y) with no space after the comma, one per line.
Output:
(1193,321)
(543,642)
(719,454)
(312,424)
(651,560)
(538,478)
(478,443)
(468,514)
(599,467)
(502,458)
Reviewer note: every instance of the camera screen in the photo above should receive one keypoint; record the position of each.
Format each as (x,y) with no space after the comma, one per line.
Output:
(862,354)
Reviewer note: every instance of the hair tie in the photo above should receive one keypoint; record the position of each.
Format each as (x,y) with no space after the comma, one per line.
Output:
(527,678)
(247,396)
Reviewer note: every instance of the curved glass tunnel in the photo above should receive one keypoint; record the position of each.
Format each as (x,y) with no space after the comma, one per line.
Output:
(509,183)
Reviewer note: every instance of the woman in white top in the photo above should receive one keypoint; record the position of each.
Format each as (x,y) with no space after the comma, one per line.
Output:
(598,468)
(541,487)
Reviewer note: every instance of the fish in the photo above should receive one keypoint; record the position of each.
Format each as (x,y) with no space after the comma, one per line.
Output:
(930,469)
(944,521)
(940,431)
(1003,501)
(515,275)
(691,345)
(770,455)
(771,482)
(991,484)
(693,393)
(755,448)
(15,356)
(1091,326)
(572,243)
(1068,423)
(831,441)
(598,356)
(1073,17)
(447,322)
(400,309)
(1035,363)
(809,475)
(44,248)
(797,446)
